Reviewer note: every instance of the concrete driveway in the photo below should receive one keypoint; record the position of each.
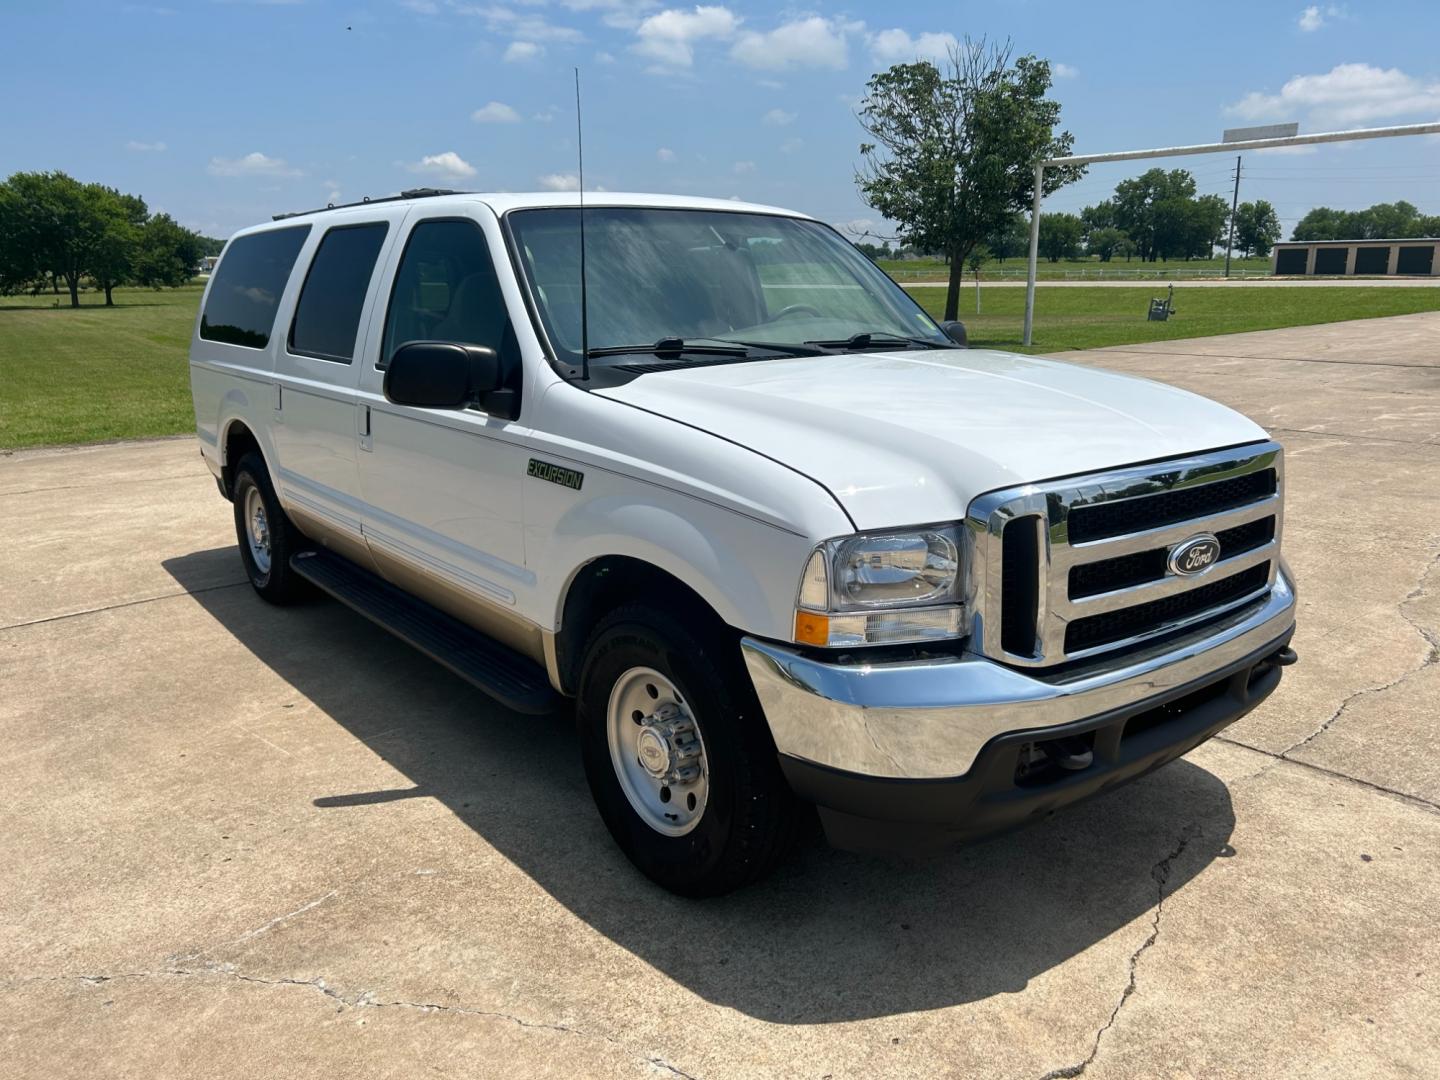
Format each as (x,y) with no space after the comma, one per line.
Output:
(239,841)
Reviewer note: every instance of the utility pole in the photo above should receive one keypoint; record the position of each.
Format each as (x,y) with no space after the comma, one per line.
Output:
(1234,202)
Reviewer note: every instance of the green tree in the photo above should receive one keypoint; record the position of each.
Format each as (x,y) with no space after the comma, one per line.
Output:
(1104,242)
(1257,227)
(168,253)
(1383,221)
(954,150)
(1152,210)
(58,226)
(112,262)
(1060,236)
(1010,240)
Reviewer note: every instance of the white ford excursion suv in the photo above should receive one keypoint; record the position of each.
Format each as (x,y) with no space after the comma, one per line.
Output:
(784,540)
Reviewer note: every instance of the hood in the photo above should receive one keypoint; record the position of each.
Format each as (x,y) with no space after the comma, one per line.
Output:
(911,437)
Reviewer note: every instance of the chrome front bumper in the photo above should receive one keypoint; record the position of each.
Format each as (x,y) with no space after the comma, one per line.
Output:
(929,719)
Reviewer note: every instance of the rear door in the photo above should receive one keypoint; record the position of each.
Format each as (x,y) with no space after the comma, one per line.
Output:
(316,427)
(442,487)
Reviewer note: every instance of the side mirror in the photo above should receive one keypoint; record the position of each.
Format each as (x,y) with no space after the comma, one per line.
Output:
(440,374)
(955,331)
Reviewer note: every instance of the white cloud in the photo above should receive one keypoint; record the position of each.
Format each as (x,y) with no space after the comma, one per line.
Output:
(1346,94)
(1314,17)
(496,112)
(421,7)
(621,14)
(665,154)
(898,47)
(558,182)
(790,146)
(253,164)
(668,38)
(520,51)
(812,41)
(1064,71)
(743,167)
(526,26)
(449,166)
(778,118)
(145,147)
(604,58)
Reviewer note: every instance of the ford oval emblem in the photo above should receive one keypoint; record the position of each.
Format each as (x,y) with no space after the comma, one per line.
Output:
(1195,555)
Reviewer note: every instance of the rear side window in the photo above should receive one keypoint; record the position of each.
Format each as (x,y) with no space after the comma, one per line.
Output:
(327,318)
(240,309)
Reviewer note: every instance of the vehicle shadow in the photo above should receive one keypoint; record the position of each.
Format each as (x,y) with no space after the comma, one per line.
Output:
(831,937)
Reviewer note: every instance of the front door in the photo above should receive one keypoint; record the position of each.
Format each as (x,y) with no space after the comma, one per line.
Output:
(442,487)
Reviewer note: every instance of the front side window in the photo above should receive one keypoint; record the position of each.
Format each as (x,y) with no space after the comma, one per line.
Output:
(705,274)
(327,316)
(446,290)
(240,308)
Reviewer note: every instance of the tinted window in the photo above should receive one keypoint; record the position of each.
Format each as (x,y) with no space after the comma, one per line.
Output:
(240,309)
(327,318)
(446,290)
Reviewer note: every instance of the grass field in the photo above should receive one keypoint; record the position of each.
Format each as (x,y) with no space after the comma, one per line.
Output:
(936,270)
(1081,318)
(97,373)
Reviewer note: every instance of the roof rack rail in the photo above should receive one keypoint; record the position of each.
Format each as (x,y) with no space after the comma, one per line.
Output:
(412,193)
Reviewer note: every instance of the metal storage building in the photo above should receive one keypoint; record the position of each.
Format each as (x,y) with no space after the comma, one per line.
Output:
(1409,258)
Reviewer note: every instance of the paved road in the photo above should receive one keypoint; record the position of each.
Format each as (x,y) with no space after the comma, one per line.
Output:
(1190,283)
(243,842)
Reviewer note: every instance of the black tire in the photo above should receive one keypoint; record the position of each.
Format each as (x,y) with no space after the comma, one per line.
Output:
(748,823)
(277,583)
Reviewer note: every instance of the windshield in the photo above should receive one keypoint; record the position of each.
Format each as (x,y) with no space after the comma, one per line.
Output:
(706,275)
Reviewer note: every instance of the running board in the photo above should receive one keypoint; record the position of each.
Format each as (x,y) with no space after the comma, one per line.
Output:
(515,681)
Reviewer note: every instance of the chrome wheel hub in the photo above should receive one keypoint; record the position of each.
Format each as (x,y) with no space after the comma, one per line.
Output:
(657,751)
(257,530)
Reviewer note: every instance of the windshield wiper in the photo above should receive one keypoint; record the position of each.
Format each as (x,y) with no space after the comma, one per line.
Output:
(672,346)
(870,338)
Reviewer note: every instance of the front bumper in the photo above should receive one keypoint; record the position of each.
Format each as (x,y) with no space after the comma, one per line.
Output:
(937,742)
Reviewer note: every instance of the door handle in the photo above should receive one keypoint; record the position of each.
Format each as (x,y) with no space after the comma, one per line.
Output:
(364,421)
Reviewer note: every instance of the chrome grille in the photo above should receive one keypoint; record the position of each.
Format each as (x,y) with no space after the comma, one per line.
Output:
(1090,571)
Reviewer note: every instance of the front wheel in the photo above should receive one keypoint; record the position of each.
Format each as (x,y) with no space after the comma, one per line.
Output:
(678,755)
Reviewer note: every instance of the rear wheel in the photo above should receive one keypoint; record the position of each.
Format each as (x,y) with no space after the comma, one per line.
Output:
(678,755)
(266,536)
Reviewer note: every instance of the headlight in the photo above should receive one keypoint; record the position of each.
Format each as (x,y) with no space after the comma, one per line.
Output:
(882,589)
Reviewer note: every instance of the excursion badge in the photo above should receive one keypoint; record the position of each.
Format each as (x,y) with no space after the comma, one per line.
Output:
(555,474)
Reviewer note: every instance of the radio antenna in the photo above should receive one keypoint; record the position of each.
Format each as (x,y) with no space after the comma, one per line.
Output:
(584,307)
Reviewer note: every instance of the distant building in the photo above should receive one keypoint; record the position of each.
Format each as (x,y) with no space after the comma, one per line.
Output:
(1409,258)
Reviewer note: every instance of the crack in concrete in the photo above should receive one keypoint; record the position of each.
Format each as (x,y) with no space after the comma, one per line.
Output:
(263,928)
(1404,796)
(1431,658)
(123,604)
(365,999)
(1160,873)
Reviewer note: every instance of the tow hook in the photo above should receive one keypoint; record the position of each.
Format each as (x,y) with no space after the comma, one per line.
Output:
(1071,753)
(1285,657)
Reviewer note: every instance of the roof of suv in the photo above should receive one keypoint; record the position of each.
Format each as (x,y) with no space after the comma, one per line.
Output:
(504,201)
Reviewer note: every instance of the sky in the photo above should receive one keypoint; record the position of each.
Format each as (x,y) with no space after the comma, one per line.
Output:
(224,112)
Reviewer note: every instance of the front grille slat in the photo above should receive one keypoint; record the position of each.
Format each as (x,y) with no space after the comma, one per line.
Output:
(1142,567)
(1097,574)
(1158,615)
(1099,520)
